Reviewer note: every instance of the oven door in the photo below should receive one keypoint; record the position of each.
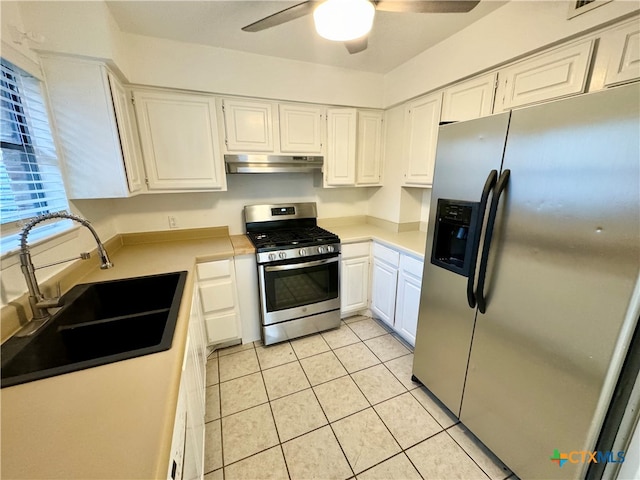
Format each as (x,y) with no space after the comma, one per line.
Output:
(295,290)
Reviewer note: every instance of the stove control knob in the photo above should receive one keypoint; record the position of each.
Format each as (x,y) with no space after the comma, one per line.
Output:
(282,255)
(320,249)
(272,256)
(302,252)
(330,248)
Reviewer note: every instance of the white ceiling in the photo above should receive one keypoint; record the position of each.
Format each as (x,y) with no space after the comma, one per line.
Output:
(394,39)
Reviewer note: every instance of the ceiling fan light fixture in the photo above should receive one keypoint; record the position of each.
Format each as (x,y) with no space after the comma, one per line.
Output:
(343,20)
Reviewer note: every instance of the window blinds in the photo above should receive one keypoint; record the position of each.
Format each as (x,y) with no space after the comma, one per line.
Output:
(30,179)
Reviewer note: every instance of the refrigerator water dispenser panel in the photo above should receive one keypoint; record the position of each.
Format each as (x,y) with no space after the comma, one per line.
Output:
(453,239)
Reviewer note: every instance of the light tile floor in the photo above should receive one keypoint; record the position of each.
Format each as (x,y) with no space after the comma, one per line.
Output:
(335,405)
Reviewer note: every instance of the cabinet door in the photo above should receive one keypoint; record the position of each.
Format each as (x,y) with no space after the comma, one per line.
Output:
(544,77)
(301,128)
(85,123)
(468,100)
(408,301)
(248,126)
(354,285)
(194,384)
(219,300)
(369,159)
(422,118)
(128,135)
(624,60)
(384,278)
(341,146)
(178,132)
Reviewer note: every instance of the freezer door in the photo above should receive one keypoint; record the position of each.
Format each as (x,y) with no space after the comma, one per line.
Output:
(563,265)
(466,153)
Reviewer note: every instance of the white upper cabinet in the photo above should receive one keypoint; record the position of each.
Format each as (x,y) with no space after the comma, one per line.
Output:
(263,127)
(301,128)
(340,164)
(354,147)
(248,126)
(558,73)
(369,148)
(178,133)
(624,56)
(470,99)
(422,118)
(125,119)
(94,129)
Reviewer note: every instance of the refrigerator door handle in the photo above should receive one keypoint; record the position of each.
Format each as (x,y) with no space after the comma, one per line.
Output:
(488,186)
(500,186)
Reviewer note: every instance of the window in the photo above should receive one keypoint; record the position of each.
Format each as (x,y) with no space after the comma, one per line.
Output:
(30,179)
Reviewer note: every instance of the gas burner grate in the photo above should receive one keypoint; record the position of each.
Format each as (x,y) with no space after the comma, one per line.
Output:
(291,237)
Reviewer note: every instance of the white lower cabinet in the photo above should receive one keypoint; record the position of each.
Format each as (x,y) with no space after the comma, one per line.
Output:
(187,448)
(354,278)
(219,300)
(408,297)
(384,281)
(396,282)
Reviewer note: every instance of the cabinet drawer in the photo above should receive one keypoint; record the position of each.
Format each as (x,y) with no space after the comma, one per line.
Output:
(386,254)
(411,265)
(217,296)
(352,250)
(217,269)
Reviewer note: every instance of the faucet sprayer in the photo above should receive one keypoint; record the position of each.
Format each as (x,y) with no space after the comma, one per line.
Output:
(39,303)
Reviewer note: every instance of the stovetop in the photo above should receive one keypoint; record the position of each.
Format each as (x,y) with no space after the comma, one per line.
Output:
(288,232)
(291,238)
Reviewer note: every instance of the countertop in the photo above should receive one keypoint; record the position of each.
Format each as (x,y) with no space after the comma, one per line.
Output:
(412,242)
(116,420)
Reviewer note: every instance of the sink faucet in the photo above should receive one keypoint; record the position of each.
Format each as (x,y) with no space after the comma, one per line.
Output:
(39,303)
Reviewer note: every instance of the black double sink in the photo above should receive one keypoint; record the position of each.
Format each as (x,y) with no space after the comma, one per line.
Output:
(99,323)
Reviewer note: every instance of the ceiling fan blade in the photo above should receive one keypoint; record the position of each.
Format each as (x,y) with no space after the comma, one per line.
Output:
(357,45)
(426,6)
(283,16)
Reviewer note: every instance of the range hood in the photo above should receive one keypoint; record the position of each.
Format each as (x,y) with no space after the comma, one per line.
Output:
(251,163)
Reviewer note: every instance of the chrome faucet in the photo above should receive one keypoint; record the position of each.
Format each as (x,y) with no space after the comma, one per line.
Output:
(39,303)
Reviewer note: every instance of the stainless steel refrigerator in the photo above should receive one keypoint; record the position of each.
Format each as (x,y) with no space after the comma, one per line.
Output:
(532,258)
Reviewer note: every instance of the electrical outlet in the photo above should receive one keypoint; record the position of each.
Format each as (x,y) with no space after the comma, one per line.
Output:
(173,223)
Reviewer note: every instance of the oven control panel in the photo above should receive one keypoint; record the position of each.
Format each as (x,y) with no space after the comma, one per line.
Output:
(283,211)
(293,253)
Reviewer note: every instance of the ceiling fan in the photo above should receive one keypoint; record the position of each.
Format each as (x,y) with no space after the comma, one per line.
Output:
(329,14)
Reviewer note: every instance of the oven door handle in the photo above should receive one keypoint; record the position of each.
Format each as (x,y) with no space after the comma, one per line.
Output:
(294,266)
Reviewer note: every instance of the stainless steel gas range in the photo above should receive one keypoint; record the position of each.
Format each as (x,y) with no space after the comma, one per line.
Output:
(298,270)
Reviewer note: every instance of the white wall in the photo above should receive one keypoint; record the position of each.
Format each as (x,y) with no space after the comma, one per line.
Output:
(195,210)
(168,63)
(511,31)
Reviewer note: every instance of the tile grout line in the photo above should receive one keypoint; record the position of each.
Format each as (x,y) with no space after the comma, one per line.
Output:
(370,405)
(275,424)
(327,419)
